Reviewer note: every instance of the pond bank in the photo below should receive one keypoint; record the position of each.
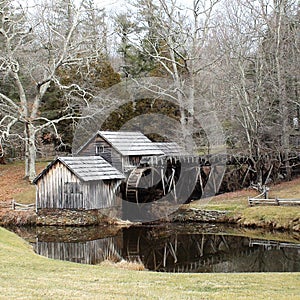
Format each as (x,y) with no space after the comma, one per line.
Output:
(252,217)
(271,218)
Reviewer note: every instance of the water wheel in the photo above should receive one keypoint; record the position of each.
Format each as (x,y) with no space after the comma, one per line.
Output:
(133,183)
(148,184)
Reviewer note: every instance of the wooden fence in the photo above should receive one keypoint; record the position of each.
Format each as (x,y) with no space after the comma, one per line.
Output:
(275,244)
(273,201)
(19,206)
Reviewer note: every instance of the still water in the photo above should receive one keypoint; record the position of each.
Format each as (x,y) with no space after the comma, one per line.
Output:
(172,248)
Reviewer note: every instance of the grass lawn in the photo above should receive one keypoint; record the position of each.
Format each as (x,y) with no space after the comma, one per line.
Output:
(25,275)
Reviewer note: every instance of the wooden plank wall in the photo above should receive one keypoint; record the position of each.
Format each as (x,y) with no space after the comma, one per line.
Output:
(100,194)
(90,252)
(90,148)
(51,191)
(116,160)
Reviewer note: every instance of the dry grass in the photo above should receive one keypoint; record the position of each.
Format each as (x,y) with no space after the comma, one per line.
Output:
(13,184)
(124,264)
(239,199)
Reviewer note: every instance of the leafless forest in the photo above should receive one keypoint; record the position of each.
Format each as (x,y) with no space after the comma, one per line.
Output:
(236,58)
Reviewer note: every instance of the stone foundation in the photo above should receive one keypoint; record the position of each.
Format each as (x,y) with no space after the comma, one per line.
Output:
(70,217)
(197,215)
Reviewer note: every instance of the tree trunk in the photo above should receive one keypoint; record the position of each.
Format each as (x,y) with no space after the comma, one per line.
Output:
(281,82)
(30,152)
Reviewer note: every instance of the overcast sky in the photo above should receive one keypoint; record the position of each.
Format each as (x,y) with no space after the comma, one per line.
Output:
(121,4)
(109,5)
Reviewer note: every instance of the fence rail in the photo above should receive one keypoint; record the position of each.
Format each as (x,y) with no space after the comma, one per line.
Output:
(18,206)
(273,201)
(275,244)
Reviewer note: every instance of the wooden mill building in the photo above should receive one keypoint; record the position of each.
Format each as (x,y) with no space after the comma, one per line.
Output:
(122,149)
(78,183)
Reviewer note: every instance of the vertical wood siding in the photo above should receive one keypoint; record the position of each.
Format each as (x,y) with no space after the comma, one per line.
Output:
(90,252)
(116,160)
(60,188)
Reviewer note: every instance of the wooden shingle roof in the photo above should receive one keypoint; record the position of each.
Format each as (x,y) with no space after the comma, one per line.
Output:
(87,168)
(170,148)
(130,143)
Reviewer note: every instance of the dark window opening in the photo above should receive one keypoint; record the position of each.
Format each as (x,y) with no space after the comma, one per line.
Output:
(99,149)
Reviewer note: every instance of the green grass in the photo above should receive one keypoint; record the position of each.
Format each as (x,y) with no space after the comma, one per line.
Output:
(25,275)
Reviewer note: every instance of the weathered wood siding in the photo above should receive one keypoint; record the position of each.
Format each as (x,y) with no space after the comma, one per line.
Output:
(117,160)
(89,252)
(90,148)
(101,194)
(60,188)
(105,150)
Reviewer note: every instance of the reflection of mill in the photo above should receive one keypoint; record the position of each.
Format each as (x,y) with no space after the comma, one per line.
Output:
(179,253)
(89,252)
(168,250)
(80,245)
(162,252)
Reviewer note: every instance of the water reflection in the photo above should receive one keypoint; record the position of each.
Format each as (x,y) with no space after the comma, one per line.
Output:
(169,249)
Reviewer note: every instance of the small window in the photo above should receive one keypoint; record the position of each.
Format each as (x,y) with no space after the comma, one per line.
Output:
(99,149)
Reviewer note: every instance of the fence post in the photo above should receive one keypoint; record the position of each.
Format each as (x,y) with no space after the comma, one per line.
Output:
(13,204)
(249,201)
(266,192)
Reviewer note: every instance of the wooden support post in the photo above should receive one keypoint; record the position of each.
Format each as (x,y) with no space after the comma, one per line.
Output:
(171,181)
(200,180)
(266,192)
(165,256)
(163,180)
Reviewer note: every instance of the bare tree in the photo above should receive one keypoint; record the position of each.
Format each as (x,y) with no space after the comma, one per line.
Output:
(176,38)
(284,50)
(36,43)
(259,48)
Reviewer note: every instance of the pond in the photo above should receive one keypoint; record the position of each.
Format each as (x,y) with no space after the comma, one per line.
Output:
(171,248)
